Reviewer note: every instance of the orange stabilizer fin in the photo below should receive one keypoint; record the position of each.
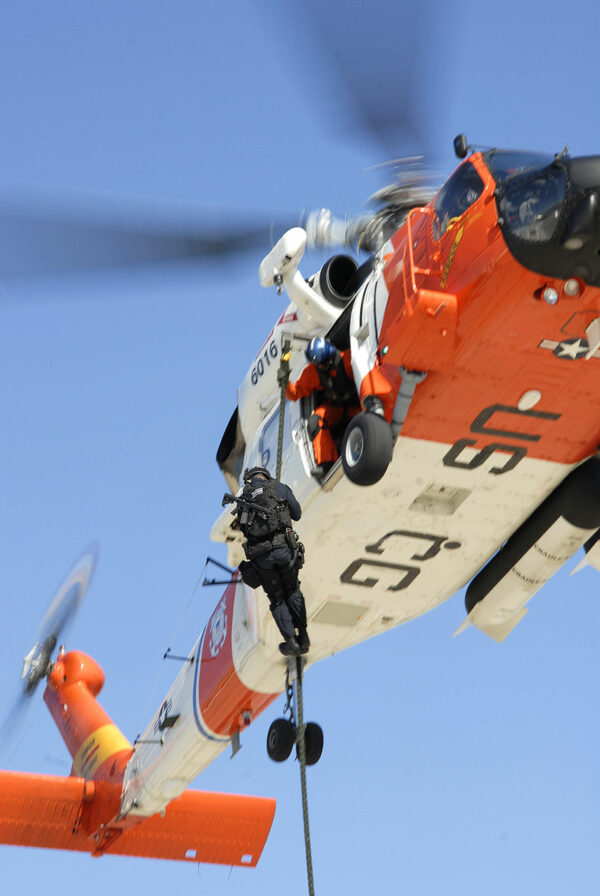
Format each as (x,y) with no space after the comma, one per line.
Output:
(46,811)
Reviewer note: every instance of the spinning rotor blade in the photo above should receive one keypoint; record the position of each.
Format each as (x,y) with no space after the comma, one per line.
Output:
(38,661)
(59,614)
(381,53)
(33,243)
(378,65)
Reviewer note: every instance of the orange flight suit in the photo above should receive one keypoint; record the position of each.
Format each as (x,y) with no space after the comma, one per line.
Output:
(329,415)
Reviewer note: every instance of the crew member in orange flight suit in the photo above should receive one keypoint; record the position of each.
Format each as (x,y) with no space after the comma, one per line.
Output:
(329,373)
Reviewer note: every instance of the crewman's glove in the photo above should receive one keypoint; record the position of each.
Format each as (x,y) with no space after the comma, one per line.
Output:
(283,373)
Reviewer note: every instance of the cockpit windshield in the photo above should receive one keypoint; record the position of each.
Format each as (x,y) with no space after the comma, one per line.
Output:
(459,192)
(530,206)
(508,163)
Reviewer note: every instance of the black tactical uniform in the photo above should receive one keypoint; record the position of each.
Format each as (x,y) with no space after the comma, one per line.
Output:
(274,554)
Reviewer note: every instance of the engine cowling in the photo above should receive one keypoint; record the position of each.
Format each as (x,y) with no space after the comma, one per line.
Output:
(316,304)
(335,282)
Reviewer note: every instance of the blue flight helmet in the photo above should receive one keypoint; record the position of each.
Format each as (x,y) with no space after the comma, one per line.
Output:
(320,352)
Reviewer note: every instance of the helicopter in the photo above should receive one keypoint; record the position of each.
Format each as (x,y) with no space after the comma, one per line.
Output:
(408,635)
(495,491)
(506,252)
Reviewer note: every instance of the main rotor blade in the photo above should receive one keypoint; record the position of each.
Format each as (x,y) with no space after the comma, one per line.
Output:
(33,243)
(382,54)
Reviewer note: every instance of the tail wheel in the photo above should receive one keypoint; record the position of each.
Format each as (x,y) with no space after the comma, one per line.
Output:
(280,739)
(313,742)
(367,448)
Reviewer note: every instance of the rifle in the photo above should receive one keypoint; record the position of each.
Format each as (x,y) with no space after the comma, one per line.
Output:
(243,507)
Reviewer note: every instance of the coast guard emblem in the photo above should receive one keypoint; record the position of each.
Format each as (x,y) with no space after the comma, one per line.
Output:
(218,629)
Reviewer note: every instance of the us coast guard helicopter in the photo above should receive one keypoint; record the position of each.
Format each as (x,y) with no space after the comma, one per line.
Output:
(474,330)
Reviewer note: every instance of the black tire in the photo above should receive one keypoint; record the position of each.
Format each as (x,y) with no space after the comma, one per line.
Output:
(280,739)
(367,448)
(313,743)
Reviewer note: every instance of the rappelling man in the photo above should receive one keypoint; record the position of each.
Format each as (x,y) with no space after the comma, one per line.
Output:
(265,512)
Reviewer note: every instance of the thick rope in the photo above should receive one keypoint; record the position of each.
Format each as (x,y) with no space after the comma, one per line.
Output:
(300,730)
(283,377)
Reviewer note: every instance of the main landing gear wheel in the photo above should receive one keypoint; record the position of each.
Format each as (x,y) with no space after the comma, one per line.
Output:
(313,743)
(280,739)
(367,448)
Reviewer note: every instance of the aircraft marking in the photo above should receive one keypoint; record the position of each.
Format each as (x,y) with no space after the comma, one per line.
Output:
(436,542)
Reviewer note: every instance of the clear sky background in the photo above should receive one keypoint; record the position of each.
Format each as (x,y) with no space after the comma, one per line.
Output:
(451,766)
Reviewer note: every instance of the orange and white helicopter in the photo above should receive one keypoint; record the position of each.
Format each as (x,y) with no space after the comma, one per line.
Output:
(474,329)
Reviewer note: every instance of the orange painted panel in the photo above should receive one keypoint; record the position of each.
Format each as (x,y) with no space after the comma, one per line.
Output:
(222,698)
(41,810)
(509,344)
(45,811)
(203,827)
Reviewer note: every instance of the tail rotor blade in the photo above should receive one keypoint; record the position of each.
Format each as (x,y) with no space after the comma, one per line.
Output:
(37,662)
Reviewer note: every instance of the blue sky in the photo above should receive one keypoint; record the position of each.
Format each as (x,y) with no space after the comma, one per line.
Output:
(451,766)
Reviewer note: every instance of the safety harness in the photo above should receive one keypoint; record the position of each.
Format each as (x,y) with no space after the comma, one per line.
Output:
(337,387)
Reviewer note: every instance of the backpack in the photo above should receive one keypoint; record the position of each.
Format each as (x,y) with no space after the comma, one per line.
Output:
(274,515)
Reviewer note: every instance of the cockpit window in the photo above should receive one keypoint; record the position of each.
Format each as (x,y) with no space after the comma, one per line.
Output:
(458,193)
(507,163)
(530,206)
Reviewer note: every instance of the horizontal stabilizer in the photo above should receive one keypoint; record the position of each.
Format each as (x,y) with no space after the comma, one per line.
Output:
(46,811)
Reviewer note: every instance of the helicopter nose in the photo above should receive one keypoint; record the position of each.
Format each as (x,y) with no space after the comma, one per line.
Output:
(584,219)
(584,172)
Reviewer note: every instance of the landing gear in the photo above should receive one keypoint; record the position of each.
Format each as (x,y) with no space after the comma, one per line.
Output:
(367,448)
(282,736)
(313,743)
(285,732)
(309,744)
(280,739)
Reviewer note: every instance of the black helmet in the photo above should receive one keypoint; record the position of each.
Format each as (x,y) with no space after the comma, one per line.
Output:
(251,472)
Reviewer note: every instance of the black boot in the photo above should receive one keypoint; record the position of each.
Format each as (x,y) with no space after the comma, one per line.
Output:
(290,647)
(303,640)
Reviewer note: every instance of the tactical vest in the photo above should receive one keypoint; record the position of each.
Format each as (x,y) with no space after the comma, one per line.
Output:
(275,516)
(338,389)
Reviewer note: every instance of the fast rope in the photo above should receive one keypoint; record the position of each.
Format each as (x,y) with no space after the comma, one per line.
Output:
(301,746)
(283,375)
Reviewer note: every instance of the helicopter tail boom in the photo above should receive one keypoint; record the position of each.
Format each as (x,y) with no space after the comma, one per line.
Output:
(83,811)
(91,737)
